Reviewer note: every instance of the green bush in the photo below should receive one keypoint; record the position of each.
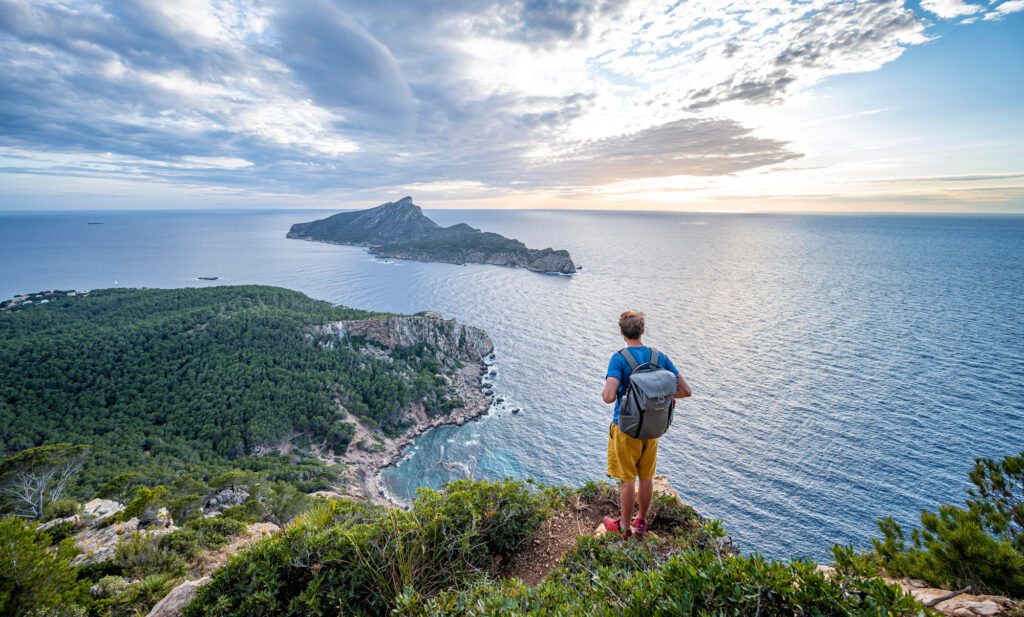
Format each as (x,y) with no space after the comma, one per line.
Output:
(504,514)
(138,598)
(611,577)
(146,501)
(108,587)
(354,558)
(201,534)
(32,576)
(60,531)
(61,508)
(140,555)
(978,546)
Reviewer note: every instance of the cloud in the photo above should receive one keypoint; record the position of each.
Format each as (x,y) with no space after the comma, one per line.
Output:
(1005,9)
(322,96)
(341,64)
(693,147)
(948,9)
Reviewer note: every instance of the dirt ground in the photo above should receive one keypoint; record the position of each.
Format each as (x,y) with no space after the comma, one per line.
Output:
(558,535)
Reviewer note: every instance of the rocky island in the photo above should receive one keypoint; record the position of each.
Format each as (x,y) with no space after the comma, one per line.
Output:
(400,230)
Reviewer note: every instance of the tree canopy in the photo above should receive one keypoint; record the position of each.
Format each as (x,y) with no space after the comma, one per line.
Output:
(164,382)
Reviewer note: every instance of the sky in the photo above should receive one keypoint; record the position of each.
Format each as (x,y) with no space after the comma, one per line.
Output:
(773,105)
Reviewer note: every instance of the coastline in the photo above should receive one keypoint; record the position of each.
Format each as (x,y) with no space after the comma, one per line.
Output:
(370,251)
(364,481)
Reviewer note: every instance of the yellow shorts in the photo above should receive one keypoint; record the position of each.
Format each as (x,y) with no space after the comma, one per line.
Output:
(629,457)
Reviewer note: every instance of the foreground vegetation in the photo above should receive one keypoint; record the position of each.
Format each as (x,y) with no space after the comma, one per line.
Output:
(195,381)
(438,558)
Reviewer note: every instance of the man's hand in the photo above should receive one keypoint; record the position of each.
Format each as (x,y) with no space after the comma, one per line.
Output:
(682,388)
(611,390)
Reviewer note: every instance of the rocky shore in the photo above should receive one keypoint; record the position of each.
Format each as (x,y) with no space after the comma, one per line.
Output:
(364,475)
(370,451)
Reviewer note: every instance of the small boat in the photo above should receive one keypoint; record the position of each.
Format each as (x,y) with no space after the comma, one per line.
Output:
(207,278)
(94,223)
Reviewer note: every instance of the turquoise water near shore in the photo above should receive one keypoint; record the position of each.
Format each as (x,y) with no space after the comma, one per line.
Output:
(844,367)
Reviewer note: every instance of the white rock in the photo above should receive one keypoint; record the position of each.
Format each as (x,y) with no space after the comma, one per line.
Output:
(986,608)
(175,601)
(99,509)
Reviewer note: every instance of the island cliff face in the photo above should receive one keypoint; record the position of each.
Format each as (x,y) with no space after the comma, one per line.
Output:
(451,340)
(400,230)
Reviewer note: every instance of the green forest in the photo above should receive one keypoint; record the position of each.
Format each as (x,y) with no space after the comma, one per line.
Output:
(163,382)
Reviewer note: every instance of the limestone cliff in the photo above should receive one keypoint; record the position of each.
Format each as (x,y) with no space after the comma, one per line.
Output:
(451,339)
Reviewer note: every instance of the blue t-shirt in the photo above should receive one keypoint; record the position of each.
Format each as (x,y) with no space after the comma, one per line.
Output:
(619,369)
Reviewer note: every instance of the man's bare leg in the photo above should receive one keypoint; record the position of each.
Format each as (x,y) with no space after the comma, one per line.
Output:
(646,493)
(626,501)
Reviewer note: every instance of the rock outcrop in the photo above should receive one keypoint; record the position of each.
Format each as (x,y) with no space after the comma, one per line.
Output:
(452,340)
(174,602)
(400,230)
(98,543)
(92,513)
(219,500)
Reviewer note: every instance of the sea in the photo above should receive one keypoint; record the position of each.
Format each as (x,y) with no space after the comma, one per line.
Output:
(844,367)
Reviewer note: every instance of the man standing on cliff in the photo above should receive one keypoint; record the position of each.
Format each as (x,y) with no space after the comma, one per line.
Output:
(629,457)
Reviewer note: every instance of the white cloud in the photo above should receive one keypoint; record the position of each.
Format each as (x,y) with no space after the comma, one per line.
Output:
(948,9)
(465,95)
(1005,9)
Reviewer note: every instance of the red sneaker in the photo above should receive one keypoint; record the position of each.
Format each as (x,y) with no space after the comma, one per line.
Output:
(614,525)
(639,527)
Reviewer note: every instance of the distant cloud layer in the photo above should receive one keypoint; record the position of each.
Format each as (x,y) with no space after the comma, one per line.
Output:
(306,97)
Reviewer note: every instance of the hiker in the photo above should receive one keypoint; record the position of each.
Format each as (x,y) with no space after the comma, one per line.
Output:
(629,457)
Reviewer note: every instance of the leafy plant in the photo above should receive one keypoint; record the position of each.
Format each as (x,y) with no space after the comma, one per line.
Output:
(979,545)
(140,555)
(33,577)
(357,558)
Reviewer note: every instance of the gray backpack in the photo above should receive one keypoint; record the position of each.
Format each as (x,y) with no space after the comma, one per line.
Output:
(645,410)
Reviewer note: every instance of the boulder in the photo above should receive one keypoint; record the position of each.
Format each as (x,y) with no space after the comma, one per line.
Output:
(174,602)
(99,509)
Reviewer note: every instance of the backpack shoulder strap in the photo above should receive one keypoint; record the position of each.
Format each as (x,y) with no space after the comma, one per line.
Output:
(654,357)
(625,353)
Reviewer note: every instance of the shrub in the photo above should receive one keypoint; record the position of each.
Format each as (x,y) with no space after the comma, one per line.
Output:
(360,558)
(504,514)
(140,555)
(201,534)
(60,531)
(980,545)
(146,501)
(669,514)
(610,577)
(31,575)
(185,508)
(142,596)
(60,508)
(108,587)
(65,610)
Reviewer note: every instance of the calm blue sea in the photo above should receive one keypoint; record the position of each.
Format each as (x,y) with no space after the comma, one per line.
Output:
(844,367)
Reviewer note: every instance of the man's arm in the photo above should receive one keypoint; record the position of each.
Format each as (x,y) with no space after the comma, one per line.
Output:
(682,388)
(611,389)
